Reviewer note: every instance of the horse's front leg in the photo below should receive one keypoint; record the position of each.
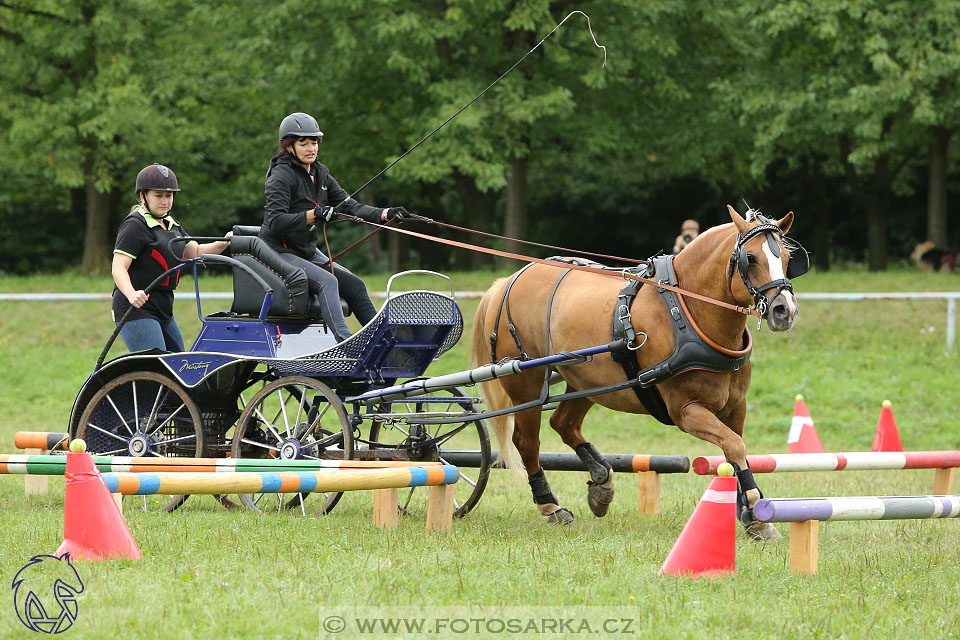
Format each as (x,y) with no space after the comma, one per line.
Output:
(567,421)
(699,421)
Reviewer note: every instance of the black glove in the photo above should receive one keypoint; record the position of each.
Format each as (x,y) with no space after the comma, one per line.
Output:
(324,214)
(398,213)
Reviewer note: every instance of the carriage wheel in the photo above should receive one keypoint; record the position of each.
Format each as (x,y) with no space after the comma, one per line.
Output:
(143,414)
(294,418)
(469,434)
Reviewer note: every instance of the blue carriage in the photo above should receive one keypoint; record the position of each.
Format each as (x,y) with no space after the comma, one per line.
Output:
(267,379)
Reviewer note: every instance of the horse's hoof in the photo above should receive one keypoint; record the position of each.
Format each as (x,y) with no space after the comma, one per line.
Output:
(560,516)
(599,498)
(761,531)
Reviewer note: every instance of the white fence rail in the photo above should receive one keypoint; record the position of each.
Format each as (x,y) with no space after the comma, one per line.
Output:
(950,296)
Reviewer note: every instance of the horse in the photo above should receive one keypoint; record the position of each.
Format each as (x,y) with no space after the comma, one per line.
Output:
(544,309)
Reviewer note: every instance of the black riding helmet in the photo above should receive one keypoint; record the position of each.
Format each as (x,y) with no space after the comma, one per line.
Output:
(158,178)
(300,125)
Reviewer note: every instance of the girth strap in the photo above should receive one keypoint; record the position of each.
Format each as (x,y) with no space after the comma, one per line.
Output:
(625,335)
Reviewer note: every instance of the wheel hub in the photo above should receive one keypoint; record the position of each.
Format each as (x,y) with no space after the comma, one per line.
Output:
(290,450)
(138,446)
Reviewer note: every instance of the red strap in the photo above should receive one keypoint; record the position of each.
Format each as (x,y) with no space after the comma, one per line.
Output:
(163,263)
(564,265)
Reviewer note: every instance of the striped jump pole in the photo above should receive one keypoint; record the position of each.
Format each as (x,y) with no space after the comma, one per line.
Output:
(39,443)
(647,468)
(944,462)
(56,464)
(805,515)
(440,479)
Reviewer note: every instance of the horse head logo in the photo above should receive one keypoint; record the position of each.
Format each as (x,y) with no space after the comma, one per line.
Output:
(45,593)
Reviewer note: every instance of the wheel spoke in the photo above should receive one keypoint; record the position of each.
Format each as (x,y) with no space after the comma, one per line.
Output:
(164,423)
(269,425)
(192,436)
(156,406)
(105,432)
(283,411)
(110,453)
(119,415)
(136,412)
(259,444)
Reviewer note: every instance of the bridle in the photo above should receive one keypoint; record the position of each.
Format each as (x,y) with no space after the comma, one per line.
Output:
(798,264)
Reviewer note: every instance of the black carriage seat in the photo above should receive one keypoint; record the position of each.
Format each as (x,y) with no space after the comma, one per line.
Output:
(291,295)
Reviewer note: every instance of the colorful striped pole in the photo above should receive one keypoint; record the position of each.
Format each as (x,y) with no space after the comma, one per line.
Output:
(945,462)
(851,461)
(181,483)
(621,462)
(36,443)
(646,467)
(858,508)
(805,514)
(46,440)
(56,464)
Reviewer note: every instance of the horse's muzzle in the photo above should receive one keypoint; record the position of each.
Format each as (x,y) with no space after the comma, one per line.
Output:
(782,311)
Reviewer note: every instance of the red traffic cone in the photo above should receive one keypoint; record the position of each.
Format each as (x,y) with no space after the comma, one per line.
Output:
(887,437)
(803,436)
(93,527)
(707,544)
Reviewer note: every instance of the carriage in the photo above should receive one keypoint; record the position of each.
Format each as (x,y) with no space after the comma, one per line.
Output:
(365,397)
(268,380)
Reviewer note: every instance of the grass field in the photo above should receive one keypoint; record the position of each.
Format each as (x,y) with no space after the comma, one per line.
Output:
(212,573)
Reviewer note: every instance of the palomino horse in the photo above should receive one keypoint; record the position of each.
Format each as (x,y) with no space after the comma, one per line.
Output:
(579,308)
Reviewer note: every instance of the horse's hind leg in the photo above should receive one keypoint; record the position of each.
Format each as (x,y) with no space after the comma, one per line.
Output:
(526,437)
(567,421)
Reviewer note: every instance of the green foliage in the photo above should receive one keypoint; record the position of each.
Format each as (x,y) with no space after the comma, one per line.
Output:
(698,105)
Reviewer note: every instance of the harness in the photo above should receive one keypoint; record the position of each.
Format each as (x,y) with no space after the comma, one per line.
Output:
(691,350)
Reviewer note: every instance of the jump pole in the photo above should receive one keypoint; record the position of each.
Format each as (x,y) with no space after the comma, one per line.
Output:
(805,515)
(647,468)
(943,462)
(440,479)
(39,443)
(43,465)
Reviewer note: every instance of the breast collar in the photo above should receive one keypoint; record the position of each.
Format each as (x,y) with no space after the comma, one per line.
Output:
(693,351)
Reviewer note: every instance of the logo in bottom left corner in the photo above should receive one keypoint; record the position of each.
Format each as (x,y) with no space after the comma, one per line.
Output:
(45,594)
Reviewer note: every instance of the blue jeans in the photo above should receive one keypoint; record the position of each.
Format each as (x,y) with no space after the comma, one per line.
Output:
(149,333)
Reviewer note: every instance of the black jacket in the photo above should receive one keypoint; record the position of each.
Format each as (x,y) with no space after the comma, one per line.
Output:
(290,194)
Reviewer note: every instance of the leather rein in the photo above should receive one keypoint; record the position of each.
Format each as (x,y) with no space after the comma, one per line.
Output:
(523,258)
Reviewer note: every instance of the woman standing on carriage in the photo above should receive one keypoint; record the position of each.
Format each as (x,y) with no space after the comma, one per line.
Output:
(300,194)
(142,254)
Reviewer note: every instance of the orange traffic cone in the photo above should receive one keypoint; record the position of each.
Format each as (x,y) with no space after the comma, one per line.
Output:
(707,544)
(887,437)
(803,436)
(93,527)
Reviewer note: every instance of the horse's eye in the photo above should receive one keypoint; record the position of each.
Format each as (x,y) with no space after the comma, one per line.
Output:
(751,259)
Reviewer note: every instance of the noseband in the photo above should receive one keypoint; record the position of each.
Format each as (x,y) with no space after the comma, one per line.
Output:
(739,260)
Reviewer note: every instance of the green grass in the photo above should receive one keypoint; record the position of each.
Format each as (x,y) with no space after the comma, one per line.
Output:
(210,573)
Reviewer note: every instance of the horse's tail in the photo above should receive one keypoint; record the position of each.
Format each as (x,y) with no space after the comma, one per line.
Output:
(494,395)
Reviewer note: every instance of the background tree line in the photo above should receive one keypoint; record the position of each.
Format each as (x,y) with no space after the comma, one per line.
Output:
(842,112)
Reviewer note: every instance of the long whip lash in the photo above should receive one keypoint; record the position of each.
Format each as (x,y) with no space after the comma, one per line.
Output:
(479,95)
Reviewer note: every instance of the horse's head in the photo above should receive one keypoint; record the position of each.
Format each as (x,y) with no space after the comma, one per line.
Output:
(765,263)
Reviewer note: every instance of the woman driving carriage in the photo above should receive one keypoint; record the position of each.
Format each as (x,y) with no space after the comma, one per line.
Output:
(300,193)
(142,254)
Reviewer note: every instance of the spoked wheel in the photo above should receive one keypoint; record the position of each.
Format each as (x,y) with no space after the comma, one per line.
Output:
(294,418)
(143,414)
(393,425)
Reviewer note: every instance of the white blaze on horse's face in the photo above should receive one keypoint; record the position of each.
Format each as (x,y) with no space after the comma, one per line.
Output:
(782,310)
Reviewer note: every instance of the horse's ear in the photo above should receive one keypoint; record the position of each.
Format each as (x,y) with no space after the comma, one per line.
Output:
(785,222)
(742,225)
